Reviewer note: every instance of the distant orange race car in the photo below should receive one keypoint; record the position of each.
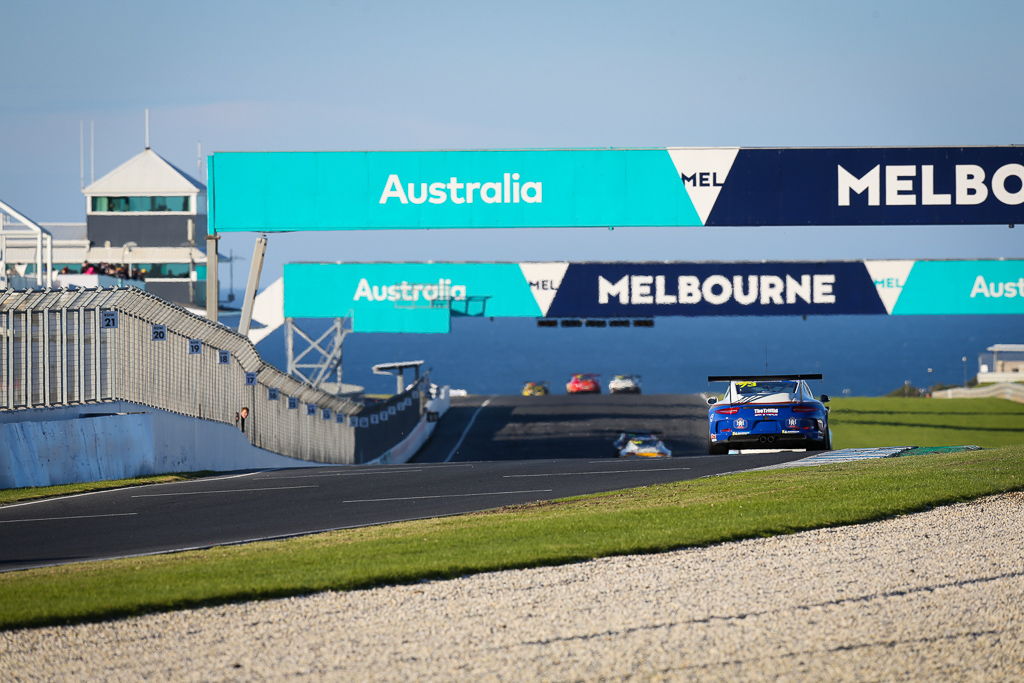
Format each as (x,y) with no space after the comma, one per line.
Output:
(583,383)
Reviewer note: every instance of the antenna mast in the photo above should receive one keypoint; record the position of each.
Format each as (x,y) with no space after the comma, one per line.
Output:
(147,128)
(81,154)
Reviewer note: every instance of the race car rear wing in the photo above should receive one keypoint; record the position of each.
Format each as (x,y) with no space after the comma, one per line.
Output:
(758,378)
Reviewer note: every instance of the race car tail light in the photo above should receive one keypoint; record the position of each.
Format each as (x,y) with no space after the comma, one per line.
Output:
(727,411)
(804,409)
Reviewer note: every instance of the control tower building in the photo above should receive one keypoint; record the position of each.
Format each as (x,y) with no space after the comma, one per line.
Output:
(150,215)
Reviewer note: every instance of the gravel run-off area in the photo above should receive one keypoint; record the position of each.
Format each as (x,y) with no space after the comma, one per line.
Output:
(937,595)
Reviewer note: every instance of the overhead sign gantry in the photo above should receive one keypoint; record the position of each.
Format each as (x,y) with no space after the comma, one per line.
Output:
(672,187)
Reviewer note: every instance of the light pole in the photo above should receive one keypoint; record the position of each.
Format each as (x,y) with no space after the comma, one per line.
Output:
(125,250)
(906,388)
(963,359)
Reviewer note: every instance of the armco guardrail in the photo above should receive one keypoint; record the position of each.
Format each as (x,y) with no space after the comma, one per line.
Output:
(1011,392)
(64,347)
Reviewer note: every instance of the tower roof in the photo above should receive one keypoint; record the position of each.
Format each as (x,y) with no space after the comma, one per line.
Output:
(146,173)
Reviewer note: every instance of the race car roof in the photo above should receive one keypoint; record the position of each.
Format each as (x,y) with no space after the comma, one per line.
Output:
(759,378)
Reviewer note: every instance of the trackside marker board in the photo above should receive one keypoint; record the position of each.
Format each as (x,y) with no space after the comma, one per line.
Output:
(423,297)
(682,187)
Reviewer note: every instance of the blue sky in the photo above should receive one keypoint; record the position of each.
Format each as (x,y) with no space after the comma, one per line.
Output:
(320,75)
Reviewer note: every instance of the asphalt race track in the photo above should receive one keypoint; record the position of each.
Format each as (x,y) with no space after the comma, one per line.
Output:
(511,450)
(564,426)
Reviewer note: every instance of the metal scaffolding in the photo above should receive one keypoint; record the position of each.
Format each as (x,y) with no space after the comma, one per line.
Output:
(30,235)
(316,360)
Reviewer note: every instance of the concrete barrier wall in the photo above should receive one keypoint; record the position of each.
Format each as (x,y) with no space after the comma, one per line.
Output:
(42,453)
(407,447)
(411,444)
(89,443)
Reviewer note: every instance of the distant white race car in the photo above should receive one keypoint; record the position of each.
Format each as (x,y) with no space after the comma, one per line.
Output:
(624,384)
(642,444)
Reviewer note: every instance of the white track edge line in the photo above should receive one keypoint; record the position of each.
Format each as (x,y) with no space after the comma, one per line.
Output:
(466,430)
(51,499)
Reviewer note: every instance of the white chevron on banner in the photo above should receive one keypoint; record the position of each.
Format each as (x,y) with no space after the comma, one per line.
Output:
(889,278)
(703,172)
(544,280)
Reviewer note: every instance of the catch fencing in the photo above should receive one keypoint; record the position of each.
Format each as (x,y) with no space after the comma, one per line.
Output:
(63,347)
(1011,392)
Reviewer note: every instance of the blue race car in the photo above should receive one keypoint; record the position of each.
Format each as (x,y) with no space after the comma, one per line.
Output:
(767,411)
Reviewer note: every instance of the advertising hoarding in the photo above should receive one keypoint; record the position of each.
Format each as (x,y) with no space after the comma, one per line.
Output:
(423,297)
(675,187)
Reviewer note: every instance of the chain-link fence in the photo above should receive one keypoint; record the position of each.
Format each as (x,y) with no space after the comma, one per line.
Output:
(73,347)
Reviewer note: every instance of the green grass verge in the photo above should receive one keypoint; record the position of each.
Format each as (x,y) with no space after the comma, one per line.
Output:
(37,492)
(867,422)
(642,520)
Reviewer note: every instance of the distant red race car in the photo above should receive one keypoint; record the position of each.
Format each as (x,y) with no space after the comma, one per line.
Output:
(583,383)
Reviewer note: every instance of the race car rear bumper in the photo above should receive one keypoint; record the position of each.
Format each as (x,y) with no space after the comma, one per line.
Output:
(770,440)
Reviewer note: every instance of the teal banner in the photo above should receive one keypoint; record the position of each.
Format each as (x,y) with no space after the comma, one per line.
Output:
(406,297)
(286,191)
(962,287)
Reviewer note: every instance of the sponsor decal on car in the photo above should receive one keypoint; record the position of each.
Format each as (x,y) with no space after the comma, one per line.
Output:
(766,411)
(739,423)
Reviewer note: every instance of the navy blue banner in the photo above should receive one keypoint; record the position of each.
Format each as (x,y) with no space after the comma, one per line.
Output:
(871,186)
(603,290)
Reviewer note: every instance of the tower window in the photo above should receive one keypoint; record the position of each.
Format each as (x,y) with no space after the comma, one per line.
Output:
(139,204)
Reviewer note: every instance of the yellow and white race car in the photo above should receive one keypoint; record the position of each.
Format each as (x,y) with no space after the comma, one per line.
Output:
(641,444)
(535,389)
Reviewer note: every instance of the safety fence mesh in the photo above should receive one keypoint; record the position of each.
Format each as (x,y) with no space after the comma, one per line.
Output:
(70,347)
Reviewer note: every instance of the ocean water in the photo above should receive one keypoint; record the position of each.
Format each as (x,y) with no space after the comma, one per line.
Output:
(858,355)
